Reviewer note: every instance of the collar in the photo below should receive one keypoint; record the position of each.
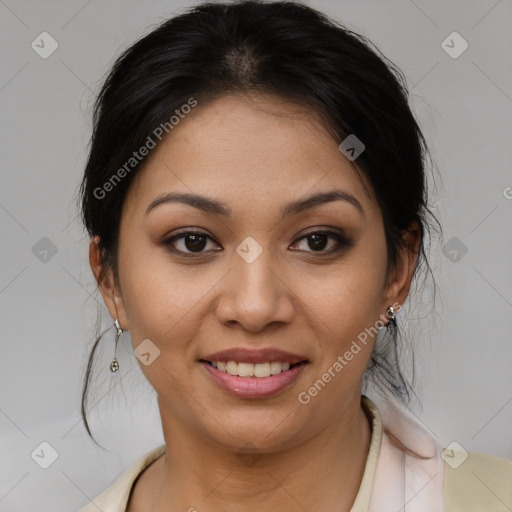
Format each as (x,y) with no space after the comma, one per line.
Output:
(409,473)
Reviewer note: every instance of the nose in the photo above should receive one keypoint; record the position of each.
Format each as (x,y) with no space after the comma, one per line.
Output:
(255,294)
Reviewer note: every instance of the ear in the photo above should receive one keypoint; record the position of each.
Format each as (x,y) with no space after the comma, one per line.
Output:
(106,283)
(400,278)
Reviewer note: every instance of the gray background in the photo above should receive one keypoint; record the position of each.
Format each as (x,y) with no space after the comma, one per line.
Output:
(48,301)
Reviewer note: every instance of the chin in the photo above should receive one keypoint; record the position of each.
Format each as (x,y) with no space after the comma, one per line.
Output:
(252,430)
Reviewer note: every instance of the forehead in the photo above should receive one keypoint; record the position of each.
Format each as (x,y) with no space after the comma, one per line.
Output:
(240,148)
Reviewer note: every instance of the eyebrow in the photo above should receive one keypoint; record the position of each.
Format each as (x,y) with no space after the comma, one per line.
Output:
(215,207)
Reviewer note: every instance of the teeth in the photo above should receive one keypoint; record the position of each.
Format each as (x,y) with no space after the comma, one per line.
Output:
(232,368)
(245,369)
(251,370)
(276,367)
(262,370)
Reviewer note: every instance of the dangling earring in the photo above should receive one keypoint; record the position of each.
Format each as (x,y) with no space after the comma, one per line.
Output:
(390,313)
(114,365)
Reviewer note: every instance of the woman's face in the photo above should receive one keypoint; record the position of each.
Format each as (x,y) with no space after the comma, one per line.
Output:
(254,280)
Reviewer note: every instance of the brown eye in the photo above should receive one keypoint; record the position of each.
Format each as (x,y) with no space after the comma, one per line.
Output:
(317,241)
(195,243)
(188,243)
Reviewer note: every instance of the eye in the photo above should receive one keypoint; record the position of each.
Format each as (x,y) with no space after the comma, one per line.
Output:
(319,240)
(190,242)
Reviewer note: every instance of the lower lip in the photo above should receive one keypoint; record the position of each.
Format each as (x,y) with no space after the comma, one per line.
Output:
(254,387)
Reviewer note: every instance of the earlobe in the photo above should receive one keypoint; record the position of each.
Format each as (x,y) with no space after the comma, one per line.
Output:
(400,283)
(106,283)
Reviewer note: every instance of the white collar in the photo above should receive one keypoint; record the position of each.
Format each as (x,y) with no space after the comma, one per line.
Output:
(409,476)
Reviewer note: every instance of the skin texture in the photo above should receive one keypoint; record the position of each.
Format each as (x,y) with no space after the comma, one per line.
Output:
(255,154)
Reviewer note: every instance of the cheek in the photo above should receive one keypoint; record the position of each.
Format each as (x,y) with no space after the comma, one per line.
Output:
(348,301)
(160,297)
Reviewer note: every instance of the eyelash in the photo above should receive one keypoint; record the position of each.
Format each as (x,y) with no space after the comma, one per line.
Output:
(342,242)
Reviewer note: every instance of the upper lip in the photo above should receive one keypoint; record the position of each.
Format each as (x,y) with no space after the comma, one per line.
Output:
(245,355)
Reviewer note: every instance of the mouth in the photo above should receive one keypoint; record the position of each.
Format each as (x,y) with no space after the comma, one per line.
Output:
(254,373)
(253,370)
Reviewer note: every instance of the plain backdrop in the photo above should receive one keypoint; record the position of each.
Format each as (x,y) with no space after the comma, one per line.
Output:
(47,294)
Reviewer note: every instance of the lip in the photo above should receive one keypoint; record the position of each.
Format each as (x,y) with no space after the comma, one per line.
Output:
(254,387)
(244,355)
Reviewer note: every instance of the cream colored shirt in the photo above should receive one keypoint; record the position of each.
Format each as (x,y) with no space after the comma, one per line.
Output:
(481,483)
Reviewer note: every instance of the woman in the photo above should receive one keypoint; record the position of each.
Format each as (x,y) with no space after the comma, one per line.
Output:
(256,199)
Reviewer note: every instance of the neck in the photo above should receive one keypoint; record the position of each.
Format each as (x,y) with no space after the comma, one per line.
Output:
(322,473)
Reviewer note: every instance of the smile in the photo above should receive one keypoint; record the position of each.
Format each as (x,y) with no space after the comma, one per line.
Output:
(253,373)
(259,370)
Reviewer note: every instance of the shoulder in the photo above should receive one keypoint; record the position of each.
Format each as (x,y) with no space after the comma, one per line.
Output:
(477,482)
(115,498)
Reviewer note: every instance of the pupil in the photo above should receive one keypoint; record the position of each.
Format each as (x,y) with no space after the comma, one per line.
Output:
(195,242)
(318,241)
